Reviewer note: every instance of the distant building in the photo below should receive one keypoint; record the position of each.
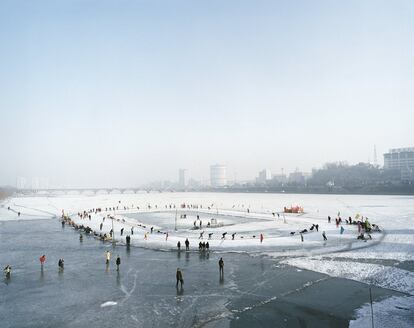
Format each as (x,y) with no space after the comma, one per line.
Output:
(298,177)
(218,177)
(279,178)
(401,159)
(264,176)
(21,183)
(182,178)
(35,183)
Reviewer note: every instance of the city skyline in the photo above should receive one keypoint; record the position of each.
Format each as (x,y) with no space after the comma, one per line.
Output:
(97,93)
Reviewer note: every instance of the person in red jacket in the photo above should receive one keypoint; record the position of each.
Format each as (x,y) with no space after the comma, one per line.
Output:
(42,260)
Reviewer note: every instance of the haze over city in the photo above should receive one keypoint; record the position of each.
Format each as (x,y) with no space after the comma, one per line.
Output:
(97,94)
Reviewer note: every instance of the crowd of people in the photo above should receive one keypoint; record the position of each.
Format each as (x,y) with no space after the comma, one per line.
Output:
(364,227)
(363,224)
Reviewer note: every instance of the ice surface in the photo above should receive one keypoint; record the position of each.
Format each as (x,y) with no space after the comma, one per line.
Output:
(341,256)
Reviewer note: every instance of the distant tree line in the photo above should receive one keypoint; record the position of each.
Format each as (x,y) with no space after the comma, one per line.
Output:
(341,174)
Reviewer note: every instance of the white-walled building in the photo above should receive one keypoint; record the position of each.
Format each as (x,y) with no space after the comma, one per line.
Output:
(182,178)
(264,176)
(218,175)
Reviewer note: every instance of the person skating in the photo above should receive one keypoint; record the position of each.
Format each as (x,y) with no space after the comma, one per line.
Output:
(100,226)
(122,231)
(209,235)
(179,277)
(107,257)
(128,240)
(118,263)
(233,235)
(221,266)
(187,245)
(207,246)
(324,236)
(301,237)
(80,237)
(223,235)
(261,238)
(179,245)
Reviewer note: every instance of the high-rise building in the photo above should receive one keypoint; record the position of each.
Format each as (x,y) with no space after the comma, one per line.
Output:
(21,183)
(182,177)
(264,175)
(401,159)
(218,177)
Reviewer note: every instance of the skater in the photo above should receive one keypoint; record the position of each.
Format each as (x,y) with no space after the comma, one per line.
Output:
(166,236)
(301,237)
(207,246)
(261,238)
(122,231)
(187,245)
(317,227)
(329,219)
(221,266)
(180,279)
(107,257)
(223,236)
(80,237)
(42,260)
(118,263)
(324,236)
(201,235)
(7,271)
(152,228)
(132,230)
(179,246)
(100,226)
(209,235)
(61,264)
(232,236)
(128,240)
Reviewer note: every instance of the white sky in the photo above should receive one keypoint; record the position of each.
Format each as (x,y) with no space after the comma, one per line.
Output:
(105,93)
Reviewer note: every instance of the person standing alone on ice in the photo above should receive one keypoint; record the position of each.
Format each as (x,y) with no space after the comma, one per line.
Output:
(7,271)
(108,257)
(42,260)
(221,266)
(180,279)
(261,238)
(118,263)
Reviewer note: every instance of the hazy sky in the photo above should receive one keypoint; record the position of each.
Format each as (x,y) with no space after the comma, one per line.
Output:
(102,93)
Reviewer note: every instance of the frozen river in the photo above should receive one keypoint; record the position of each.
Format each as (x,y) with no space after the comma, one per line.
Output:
(262,287)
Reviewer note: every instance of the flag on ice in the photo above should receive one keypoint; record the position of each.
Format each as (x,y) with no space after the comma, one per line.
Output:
(342,230)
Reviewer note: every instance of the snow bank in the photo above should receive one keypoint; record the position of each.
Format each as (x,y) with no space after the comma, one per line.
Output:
(391,312)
